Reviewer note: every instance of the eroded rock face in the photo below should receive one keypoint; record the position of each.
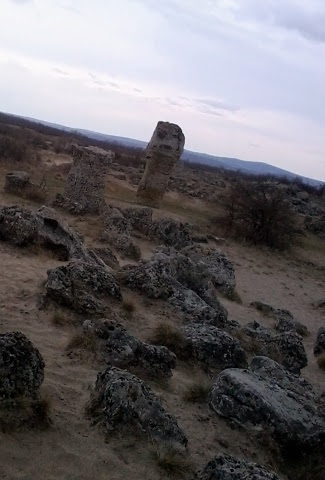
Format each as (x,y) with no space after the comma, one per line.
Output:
(219,266)
(81,286)
(286,348)
(162,153)
(267,396)
(214,348)
(319,346)
(22,227)
(284,319)
(171,233)
(177,280)
(121,349)
(84,189)
(118,233)
(140,218)
(227,467)
(121,399)
(21,367)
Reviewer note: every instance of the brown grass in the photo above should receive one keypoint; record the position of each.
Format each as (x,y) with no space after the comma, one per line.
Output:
(321,361)
(24,413)
(197,392)
(171,337)
(171,461)
(83,341)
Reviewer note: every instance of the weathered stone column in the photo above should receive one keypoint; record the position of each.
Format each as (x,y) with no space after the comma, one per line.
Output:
(84,189)
(162,153)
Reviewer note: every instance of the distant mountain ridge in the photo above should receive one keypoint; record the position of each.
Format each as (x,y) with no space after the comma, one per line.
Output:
(234,164)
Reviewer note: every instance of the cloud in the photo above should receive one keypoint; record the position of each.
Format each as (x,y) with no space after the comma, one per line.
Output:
(20,2)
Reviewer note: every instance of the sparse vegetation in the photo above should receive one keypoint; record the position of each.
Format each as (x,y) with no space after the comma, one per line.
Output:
(321,361)
(171,337)
(259,214)
(171,461)
(197,392)
(24,413)
(83,341)
(129,306)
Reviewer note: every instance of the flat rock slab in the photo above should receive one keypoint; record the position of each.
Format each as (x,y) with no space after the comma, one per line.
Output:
(267,396)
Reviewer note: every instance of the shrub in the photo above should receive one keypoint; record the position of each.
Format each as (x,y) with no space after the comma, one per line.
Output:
(260,213)
(321,361)
(197,392)
(169,336)
(171,461)
(83,341)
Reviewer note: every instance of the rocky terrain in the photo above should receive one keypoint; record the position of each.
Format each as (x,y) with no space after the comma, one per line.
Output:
(146,342)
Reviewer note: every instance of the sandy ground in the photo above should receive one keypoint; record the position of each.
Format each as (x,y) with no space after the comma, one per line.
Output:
(73,449)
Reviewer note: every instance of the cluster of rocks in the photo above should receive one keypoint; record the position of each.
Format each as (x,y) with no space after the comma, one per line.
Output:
(287,347)
(285,321)
(116,346)
(121,224)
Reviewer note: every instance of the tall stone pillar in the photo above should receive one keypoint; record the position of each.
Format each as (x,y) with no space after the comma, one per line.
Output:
(85,186)
(162,153)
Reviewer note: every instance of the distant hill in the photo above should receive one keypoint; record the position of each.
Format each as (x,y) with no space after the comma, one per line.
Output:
(234,164)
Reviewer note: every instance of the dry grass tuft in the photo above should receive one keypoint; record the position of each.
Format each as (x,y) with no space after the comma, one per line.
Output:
(197,392)
(171,461)
(83,341)
(171,337)
(321,361)
(59,319)
(129,306)
(24,413)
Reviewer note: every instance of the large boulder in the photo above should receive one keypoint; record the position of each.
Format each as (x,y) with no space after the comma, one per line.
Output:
(214,348)
(120,400)
(22,227)
(20,184)
(319,346)
(220,268)
(227,467)
(21,367)
(286,348)
(140,218)
(268,397)
(83,287)
(121,349)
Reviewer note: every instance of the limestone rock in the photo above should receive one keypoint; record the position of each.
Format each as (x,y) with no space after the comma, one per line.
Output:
(140,218)
(286,347)
(84,189)
(81,286)
(21,367)
(17,182)
(319,346)
(285,321)
(175,279)
(214,348)
(121,349)
(22,227)
(267,396)
(227,467)
(162,153)
(121,399)
(171,233)
(218,265)
(107,256)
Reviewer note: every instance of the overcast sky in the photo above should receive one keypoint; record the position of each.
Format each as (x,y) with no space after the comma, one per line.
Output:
(243,78)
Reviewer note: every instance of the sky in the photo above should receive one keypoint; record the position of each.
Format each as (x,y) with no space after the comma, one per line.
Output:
(242,78)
